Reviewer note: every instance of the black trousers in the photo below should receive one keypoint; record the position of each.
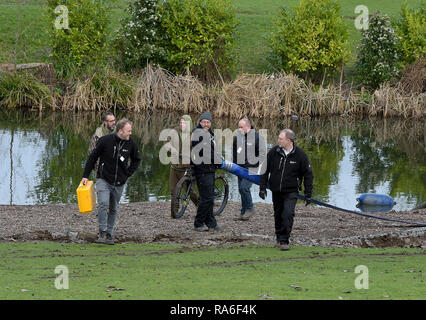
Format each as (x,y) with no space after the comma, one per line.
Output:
(284,206)
(205,183)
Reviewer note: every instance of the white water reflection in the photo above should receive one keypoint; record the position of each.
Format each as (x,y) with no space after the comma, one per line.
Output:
(23,151)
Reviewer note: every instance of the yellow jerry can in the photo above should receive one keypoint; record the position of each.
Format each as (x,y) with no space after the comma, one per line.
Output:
(86,197)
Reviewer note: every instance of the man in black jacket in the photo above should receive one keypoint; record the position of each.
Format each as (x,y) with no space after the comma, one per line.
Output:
(287,165)
(248,151)
(204,161)
(114,150)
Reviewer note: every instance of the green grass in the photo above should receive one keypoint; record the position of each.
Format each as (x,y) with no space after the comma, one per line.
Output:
(254,18)
(150,271)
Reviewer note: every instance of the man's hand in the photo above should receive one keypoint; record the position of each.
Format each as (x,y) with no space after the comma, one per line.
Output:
(262,193)
(84,181)
(308,200)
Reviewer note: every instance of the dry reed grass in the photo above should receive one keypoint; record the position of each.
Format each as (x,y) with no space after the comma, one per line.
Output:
(260,96)
(102,90)
(158,89)
(390,101)
(268,96)
(413,78)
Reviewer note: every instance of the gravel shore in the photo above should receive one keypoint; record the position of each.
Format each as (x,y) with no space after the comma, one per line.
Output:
(148,222)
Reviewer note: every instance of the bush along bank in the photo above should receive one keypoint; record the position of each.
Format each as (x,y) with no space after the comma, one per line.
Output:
(255,96)
(191,43)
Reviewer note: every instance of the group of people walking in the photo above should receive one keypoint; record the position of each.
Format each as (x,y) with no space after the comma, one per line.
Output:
(115,157)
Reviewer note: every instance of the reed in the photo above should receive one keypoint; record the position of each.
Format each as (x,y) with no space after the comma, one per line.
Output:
(257,96)
(158,89)
(390,101)
(103,89)
(21,89)
(413,78)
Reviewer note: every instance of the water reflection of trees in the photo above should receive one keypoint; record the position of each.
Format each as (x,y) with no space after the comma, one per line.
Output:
(385,150)
(392,151)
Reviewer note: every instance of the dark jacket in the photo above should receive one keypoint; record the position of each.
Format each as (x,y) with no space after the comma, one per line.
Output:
(200,139)
(114,155)
(285,173)
(246,144)
(99,132)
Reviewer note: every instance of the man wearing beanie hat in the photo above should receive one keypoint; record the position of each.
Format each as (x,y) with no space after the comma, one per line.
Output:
(204,162)
(206,116)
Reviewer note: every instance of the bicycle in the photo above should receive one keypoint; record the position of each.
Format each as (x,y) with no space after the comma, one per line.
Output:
(187,184)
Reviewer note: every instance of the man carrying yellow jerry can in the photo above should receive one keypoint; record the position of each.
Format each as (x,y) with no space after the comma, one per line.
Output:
(115,151)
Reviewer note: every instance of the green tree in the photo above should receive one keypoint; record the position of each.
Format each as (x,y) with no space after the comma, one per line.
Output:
(139,39)
(411,30)
(199,36)
(310,40)
(77,31)
(378,59)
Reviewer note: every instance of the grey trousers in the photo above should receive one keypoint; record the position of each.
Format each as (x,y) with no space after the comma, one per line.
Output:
(108,199)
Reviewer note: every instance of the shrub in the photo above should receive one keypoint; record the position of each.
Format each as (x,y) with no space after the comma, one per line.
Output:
(23,90)
(378,60)
(411,29)
(85,40)
(139,40)
(199,37)
(310,39)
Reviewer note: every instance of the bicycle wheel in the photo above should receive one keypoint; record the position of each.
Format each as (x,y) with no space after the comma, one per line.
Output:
(181,197)
(221,194)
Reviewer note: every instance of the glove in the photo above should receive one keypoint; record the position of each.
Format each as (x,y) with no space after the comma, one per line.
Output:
(308,200)
(262,193)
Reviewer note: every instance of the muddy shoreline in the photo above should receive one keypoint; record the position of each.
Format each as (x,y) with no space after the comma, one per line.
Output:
(150,222)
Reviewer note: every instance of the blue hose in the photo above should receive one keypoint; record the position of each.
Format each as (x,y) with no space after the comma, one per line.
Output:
(244,173)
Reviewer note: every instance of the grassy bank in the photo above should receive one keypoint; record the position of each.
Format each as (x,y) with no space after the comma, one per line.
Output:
(150,271)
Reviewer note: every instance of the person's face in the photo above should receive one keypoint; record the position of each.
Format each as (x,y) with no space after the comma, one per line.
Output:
(243,126)
(126,132)
(110,122)
(206,124)
(283,142)
(183,125)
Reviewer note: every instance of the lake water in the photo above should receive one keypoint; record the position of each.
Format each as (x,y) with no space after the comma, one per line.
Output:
(43,155)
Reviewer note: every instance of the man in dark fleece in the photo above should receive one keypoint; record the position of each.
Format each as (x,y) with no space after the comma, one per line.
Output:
(114,150)
(204,162)
(287,166)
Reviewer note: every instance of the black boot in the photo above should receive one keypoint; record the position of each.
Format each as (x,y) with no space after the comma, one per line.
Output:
(101,237)
(109,239)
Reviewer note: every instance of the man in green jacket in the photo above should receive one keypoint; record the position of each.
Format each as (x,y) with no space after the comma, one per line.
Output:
(181,158)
